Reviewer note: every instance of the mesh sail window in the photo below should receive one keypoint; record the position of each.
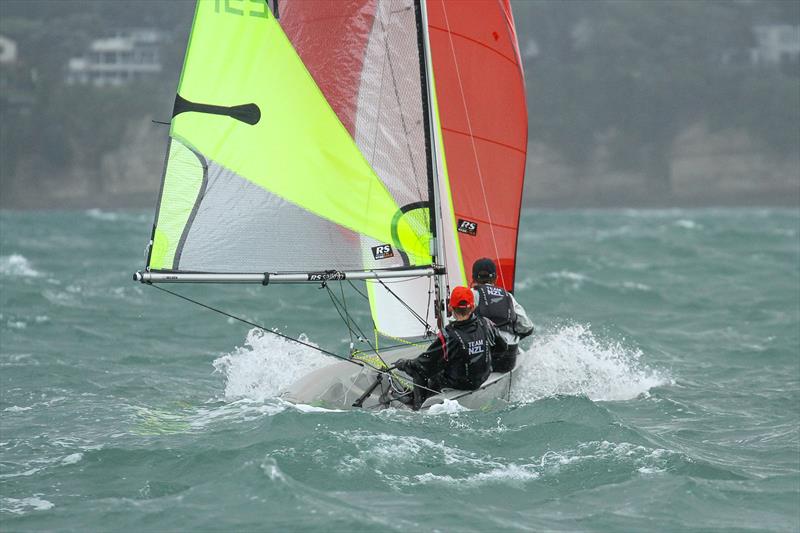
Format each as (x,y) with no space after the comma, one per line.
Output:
(365,57)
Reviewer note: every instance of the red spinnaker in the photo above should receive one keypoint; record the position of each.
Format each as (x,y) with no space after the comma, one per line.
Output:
(480,90)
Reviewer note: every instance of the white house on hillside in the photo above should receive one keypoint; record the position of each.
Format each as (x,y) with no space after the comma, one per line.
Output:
(118,60)
(776,44)
(8,51)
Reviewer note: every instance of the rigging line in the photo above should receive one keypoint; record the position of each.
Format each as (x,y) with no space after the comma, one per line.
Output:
(410,309)
(374,327)
(472,138)
(356,289)
(338,311)
(388,373)
(349,329)
(416,315)
(378,332)
(348,320)
(277,333)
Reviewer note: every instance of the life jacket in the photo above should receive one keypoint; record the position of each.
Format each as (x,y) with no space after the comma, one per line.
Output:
(468,353)
(495,304)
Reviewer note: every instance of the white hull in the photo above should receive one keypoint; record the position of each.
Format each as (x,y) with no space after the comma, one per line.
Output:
(340,385)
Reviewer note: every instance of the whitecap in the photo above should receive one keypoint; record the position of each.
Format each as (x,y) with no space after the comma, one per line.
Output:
(17,265)
(21,506)
(632,285)
(17,409)
(572,361)
(72,459)
(99,214)
(687,224)
(636,457)
(270,467)
(385,450)
(510,474)
(575,278)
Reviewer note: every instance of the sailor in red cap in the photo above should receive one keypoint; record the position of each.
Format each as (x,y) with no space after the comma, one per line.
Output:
(461,356)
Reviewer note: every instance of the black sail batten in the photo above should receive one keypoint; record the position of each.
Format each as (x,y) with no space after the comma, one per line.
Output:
(247,113)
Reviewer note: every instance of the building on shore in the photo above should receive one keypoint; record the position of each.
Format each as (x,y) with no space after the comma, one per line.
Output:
(8,51)
(118,60)
(776,44)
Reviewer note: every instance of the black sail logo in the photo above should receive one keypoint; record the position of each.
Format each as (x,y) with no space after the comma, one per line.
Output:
(382,251)
(467,226)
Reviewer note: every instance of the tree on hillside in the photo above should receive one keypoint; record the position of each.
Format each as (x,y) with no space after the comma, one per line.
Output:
(640,72)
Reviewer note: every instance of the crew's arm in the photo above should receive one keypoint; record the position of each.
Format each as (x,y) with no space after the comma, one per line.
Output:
(496,341)
(431,360)
(523,326)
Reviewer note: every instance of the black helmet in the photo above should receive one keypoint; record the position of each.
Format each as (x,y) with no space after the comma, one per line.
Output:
(484,270)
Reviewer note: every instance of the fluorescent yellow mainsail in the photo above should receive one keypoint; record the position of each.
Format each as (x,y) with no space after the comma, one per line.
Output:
(261,173)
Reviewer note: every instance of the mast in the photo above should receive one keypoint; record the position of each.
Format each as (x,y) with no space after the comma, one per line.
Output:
(421,11)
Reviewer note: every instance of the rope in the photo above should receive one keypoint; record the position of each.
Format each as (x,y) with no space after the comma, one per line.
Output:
(360,362)
(262,328)
(410,310)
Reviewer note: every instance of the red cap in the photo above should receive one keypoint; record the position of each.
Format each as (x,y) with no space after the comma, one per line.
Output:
(462,298)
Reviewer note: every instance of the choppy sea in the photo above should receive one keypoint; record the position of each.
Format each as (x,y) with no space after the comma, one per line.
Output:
(661,391)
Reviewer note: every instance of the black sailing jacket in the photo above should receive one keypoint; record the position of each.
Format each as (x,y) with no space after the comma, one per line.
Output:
(464,359)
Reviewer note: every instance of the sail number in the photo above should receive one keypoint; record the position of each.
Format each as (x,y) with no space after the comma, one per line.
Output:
(253,8)
(467,226)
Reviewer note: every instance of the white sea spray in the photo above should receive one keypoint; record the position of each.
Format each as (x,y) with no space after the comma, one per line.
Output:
(266,365)
(17,265)
(572,361)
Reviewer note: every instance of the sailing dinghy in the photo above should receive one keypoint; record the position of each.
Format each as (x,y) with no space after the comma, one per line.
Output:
(381,142)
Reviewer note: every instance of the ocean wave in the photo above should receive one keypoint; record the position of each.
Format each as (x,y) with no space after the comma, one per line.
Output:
(266,365)
(17,265)
(165,421)
(24,505)
(635,457)
(116,216)
(99,214)
(394,459)
(572,361)
(382,450)
(72,459)
(687,224)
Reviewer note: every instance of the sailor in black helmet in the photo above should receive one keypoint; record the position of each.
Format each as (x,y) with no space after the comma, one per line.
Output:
(499,306)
